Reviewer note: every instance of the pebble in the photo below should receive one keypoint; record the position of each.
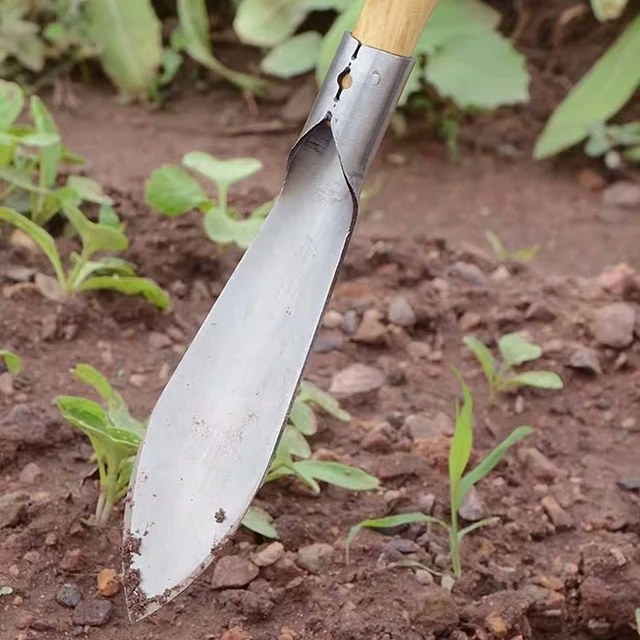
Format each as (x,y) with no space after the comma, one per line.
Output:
(472,507)
(371,330)
(92,613)
(332,319)
(315,557)
(13,507)
(622,194)
(24,619)
(599,628)
(619,557)
(138,380)
(418,350)
(30,473)
(159,340)
(469,273)
(232,572)
(629,424)
(550,582)
(376,441)
(469,320)
(108,582)
(541,311)
(553,346)
(6,384)
(401,312)
(501,274)
(560,518)
(350,322)
(403,545)
(328,341)
(591,180)
(424,577)
(235,633)
(447,582)
(356,379)
(22,240)
(539,464)
(614,325)
(69,595)
(496,625)
(32,557)
(268,554)
(423,427)
(72,561)
(586,360)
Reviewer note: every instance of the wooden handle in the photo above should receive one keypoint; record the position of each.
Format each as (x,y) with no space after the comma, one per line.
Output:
(393,25)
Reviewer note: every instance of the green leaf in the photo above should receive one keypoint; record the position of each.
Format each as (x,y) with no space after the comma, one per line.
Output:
(461,444)
(539,379)
(479,71)
(303,418)
(600,94)
(483,355)
(106,266)
(132,286)
(107,217)
(309,392)
(39,236)
(21,180)
(293,57)
(50,156)
(130,41)
(6,591)
(39,139)
(172,191)
(388,523)
(95,237)
(259,521)
(492,460)
(91,376)
(266,23)
(473,527)
(11,103)
(341,475)
(171,63)
(223,229)
(12,360)
(221,172)
(295,443)
(608,9)
(515,350)
(499,250)
(632,154)
(88,190)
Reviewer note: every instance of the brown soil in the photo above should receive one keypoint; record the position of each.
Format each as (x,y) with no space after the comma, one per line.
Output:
(536,573)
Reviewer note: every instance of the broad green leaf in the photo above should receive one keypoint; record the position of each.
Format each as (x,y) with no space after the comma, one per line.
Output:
(309,392)
(172,191)
(89,190)
(266,23)
(108,217)
(95,237)
(390,522)
(5,591)
(540,379)
(483,355)
(107,266)
(91,376)
(11,103)
(223,229)
(12,360)
(132,286)
(637,614)
(85,414)
(303,418)
(221,172)
(40,237)
(50,156)
(472,527)
(461,444)
(171,63)
(341,475)
(295,443)
(480,71)
(608,9)
(21,180)
(39,139)
(259,521)
(515,350)
(491,461)
(129,37)
(293,57)
(600,94)
(120,417)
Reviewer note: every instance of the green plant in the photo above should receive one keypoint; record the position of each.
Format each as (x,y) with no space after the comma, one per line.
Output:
(6,591)
(505,255)
(87,273)
(114,434)
(172,191)
(604,141)
(12,361)
(608,9)
(514,350)
(293,455)
(599,95)
(638,621)
(459,483)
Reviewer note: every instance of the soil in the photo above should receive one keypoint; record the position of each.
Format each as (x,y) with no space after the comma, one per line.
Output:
(561,559)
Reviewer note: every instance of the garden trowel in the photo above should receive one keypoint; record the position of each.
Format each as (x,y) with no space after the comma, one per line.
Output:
(217,424)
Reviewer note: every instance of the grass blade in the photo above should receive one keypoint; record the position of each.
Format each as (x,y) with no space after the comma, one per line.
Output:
(484,357)
(461,444)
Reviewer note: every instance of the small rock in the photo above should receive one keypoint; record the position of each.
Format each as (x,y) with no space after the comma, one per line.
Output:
(268,554)
(108,582)
(560,518)
(14,571)
(585,360)
(469,320)
(376,441)
(423,427)
(13,507)
(469,273)
(138,380)
(496,625)
(447,581)
(232,572)
(418,350)
(425,503)
(356,379)
(315,557)
(255,606)
(620,558)
(69,595)
(472,507)
(92,613)
(424,577)
(614,325)
(539,464)
(24,619)
(17,273)
(553,346)
(401,312)
(328,341)
(22,240)
(32,557)
(403,545)
(18,601)
(235,633)
(624,195)
(332,319)
(350,322)
(30,473)
(501,274)
(159,340)
(6,384)
(550,582)
(599,628)
(617,279)
(73,561)
(541,311)
(371,330)
(629,424)
(396,159)
(591,180)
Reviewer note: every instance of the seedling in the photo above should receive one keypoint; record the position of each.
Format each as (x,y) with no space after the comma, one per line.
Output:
(638,621)
(514,350)
(6,591)
(293,455)
(605,140)
(172,191)
(114,434)
(503,254)
(86,273)
(12,361)
(460,484)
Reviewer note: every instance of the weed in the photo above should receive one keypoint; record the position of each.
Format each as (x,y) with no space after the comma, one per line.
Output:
(514,350)
(86,273)
(606,140)
(114,434)
(12,361)
(503,254)
(6,591)
(172,191)
(638,621)
(459,484)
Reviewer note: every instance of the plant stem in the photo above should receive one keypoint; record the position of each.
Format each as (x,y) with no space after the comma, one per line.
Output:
(223,198)
(454,538)
(70,285)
